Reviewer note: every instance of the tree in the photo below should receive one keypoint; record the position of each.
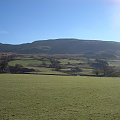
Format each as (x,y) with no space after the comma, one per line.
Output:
(101,67)
(75,70)
(55,64)
(3,65)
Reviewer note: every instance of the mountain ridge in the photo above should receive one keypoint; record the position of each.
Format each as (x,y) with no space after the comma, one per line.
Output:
(64,46)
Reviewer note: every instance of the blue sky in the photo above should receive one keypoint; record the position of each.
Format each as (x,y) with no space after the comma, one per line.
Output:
(24,21)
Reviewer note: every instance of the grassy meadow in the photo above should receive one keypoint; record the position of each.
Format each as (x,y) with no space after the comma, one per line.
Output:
(39,97)
(25,62)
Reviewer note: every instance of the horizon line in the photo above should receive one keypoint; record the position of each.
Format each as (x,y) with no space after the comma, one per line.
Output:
(60,39)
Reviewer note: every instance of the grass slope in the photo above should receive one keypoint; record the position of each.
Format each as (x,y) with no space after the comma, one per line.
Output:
(30,97)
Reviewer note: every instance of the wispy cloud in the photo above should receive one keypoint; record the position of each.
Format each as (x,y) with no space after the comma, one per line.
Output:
(3,32)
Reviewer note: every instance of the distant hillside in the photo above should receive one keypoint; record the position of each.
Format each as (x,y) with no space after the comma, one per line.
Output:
(65,46)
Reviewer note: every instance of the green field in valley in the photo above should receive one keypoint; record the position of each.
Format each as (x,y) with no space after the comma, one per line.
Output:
(35,97)
(25,62)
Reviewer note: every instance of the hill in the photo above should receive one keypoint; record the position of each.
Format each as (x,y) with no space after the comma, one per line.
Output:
(65,46)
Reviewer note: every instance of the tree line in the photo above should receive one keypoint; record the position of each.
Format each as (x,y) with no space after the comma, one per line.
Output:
(100,67)
(6,68)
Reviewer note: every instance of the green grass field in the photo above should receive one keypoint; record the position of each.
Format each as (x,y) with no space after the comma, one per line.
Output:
(35,97)
(25,62)
(114,63)
(65,61)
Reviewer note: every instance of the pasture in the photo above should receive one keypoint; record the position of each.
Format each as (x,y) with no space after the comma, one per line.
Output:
(35,97)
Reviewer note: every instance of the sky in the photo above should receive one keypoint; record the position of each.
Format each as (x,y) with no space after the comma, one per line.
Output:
(23,21)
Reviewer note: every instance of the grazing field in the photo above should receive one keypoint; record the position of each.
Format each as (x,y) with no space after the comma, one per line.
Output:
(114,63)
(72,61)
(35,97)
(25,62)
